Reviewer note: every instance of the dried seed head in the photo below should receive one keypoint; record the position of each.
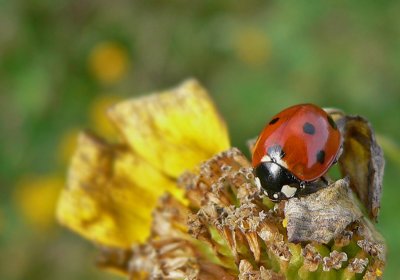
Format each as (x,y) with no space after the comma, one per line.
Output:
(372,248)
(312,258)
(357,265)
(230,230)
(166,259)
(334,260)
(246,272)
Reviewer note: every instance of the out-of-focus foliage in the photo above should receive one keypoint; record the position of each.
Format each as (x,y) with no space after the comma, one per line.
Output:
(61,62)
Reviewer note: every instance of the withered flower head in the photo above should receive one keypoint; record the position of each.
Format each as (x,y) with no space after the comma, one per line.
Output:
(172,200)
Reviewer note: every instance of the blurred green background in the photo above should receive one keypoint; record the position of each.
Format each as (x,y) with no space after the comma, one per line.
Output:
(63,62)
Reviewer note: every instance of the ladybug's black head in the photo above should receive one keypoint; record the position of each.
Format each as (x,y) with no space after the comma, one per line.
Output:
(276,181)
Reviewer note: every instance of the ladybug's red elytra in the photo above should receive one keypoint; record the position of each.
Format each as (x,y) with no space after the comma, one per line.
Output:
(294,150)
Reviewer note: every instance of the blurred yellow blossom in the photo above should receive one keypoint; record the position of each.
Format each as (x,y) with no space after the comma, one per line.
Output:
(112,189)
(108,62)
(98,116)
(251,46)
(36,199)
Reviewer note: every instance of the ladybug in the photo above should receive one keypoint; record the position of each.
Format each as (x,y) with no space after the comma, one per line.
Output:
(294,151)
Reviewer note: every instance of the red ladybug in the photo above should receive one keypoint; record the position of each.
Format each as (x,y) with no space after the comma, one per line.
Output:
(294,150)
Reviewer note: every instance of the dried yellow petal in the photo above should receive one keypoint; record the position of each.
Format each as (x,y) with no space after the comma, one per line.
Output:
(173,130)
(112,189)
(110,193)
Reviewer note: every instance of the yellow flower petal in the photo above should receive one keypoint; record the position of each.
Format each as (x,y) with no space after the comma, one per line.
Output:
(110,193)
(113,189)
(36,199)
(108,62)
(173,130)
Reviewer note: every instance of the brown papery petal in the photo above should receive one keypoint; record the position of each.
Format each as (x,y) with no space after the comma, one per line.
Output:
(362,160)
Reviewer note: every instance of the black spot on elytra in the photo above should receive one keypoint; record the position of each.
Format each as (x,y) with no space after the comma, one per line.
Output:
(309,128)
(275,152)
(332,122)
(321,156)
(274,121)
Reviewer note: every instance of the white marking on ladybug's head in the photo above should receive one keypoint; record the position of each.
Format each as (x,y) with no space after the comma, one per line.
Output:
(288,191)
(258,183)
(265,158)
(275,195)
(282,163)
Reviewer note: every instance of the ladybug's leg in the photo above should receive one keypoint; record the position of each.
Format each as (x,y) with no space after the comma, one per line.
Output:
(307,188)
(325,180)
